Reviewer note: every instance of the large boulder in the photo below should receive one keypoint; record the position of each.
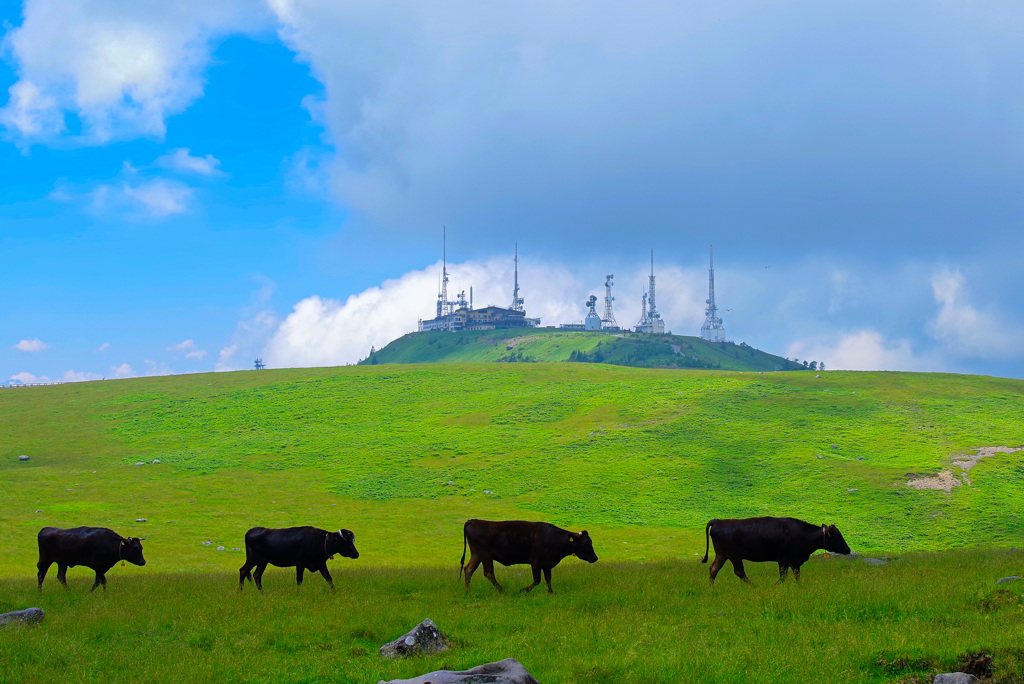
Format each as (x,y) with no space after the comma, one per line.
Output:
(27,616)
(507,671)
(955,678)
(424,639)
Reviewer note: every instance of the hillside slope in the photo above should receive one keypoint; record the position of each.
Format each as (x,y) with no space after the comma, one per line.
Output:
(546,345)
(404,454)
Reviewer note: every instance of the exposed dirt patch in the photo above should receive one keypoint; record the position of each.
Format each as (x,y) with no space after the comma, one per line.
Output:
(962,465)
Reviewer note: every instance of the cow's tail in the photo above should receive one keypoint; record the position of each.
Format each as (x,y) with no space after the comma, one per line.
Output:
(707,541)
(462,563)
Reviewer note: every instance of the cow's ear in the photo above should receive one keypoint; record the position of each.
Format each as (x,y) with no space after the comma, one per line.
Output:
(584,534)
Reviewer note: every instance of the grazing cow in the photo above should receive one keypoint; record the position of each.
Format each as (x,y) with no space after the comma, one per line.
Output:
(97,548)
(786,541)
(304,548)
(515,542)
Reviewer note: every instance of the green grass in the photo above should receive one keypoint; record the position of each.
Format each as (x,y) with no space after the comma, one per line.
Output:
(608,622)
(640,458)
(535,345)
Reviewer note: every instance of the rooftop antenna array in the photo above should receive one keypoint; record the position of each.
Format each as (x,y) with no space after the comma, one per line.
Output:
(517,301)
(608,321)
(713,329)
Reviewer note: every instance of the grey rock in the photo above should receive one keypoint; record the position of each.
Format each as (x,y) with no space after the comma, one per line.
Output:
(140,520)
(860,458)
(424,639)
(156,460)
(207,543)
(27,617)
(955,678)
(23,457)
(507,671)
(821,455)
(817,376)
(853,490)
(39,510)
(488,491)
(221,548)
(875,561)
(1007,580)
(835,446)
(139,463)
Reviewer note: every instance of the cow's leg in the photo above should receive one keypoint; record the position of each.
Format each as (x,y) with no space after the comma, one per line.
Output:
(796,572)
(326,574)
(470,569)
(258,575)
(536,578)
(62,574)
(489,574)
(99,581)
(783,571)
(716,566)
(43,565)
(547,578)
(737,567)
(298,574)
(245,573)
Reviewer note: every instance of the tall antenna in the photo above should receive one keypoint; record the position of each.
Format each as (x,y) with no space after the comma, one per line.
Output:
(652,310)
(609,317)
(713,329)
(517,301)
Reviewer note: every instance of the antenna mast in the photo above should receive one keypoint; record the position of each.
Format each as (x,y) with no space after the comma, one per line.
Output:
(608,322)
(517,301)
(713,329)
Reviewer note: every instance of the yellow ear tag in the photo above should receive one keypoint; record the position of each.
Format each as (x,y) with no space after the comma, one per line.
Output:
(122,564)
(575,556)
(826,555)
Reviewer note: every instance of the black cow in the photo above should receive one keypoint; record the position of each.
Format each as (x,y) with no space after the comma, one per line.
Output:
(304,548)
(786,541)
(514,542)
(97,548)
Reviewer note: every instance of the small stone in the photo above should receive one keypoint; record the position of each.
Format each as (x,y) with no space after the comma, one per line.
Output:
(236,549)
(140,520)
(156,460)
(67,490)
(140,463)
(955,678)
(207,543)
(860,458)
(27,616)
(221,548)
(507,671)
(853,490)
(1007,580)
(39,510)
(835,446)
(488,491)
(827,390)
(424,639)
(23,457)
(450,482)
(821,456)
(875,561)
(817,376)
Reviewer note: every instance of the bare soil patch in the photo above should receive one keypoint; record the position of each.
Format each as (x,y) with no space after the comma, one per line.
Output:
(962,464)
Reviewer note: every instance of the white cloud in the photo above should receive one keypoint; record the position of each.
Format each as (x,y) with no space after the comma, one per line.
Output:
(965,330)
(257,322)
(27,378)
(103,347)
(33,345)
(863,350)
(158,197)
(224,358)
(157,368)
(119,67)
(77,376)
(182,160)
(122,371)
(192,351)
(155,198)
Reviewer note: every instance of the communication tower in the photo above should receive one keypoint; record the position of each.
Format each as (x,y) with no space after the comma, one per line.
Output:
(713,329)
(650,319)
(445,307)
(592,321)
(517,301)
(258,364)
(608,320)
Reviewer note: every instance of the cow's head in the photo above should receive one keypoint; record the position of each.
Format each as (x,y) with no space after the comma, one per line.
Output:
(582,547)
(834,541)
(342,542)
(131,550)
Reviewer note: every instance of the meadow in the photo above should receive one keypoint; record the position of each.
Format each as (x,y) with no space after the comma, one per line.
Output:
(404,454)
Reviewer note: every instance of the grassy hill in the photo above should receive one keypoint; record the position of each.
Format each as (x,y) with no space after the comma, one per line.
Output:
(404,454)
(544,345)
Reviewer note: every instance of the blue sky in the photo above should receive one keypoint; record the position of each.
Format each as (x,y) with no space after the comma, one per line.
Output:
(185,186)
